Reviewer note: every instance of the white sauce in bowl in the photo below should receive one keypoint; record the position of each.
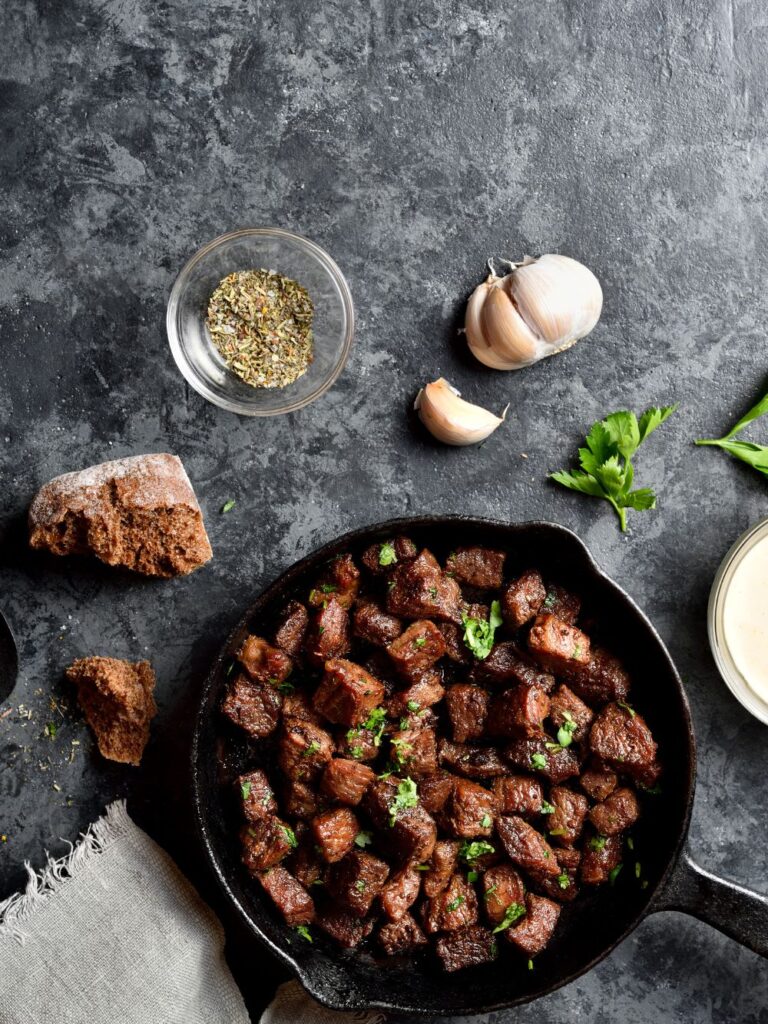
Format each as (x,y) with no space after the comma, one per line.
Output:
(745,617)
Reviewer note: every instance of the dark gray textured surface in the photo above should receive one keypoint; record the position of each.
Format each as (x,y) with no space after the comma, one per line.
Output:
(412,145)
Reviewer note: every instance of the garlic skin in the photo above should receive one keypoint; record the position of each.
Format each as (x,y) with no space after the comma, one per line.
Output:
(450,419)
(541,307)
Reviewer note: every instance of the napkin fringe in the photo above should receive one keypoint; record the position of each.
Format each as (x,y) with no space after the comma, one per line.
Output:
(42,884)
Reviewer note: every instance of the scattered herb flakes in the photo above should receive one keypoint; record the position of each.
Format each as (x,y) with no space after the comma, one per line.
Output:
(387,554)
(472,876)
(290,835)
(313,748)
(530,965)
(455,904)
(547,808)
(304,932)
(470,851)
(245,790)
(566,730)
(286,687)
(486,821)
(420,641)
(630,843)
(228,506)
(490,891)
(360,885)
(597,843)
(638,869)
(563,880)
(513,913)
(479,633)
(549,600)
(413,706)
(407,796)
(261,323)
(422,867)
(363,839)
(614,874)
(50,730)
(558,832)
(539,761)
(376,723)
(627,708)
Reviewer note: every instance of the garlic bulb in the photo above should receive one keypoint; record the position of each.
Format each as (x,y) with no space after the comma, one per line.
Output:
(542,306)
(452,420)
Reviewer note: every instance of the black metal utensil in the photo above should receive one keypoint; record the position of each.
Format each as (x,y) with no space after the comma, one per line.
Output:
(590,927)
(9,660)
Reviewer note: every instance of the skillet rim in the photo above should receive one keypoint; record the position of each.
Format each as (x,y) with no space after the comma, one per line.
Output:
(316,556)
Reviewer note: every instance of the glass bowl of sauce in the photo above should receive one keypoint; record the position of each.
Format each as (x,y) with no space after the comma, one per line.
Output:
(737,620)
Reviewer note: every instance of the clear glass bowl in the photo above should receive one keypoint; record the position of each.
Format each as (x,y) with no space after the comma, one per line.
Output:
(272,249)
(733,678)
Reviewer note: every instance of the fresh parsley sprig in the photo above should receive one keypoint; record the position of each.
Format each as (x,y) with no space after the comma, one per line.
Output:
(606,462)
(755,455)
(479,633)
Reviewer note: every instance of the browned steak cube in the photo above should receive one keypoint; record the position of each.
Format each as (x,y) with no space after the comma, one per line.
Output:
(255,707)
(409,833)
(502,886)
(556,645)
(347,693)
(334,833)
(262,662)
(355,882)
(434,791)
(299,800)
(598,782)
(518,794)
(401,936)
(442,866)
(478,567)
(340,580)
(601,855)
(289,896)
(468,947)
(603,679)
(370,622)
(562,889)
(470,761)
(567,711)
(417,649)
(306,865)
(257,796)
(621,739)
(296,704)
(452,908)
(344,928)
(523,598)
(382,558)
(303,750)
(346,781)
(265,843)
(401,892)
(533,755)
(328,634)
(421,590)
(291,627)
(455,648)
(562,603)
(469,810)
(467,706)
(425,692)
(519,711)
(414,749)
(617,813)
(565,823)
(526,847)
(506,665)
(536,928)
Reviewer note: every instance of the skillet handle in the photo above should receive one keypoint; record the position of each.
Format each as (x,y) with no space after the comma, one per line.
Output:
(740,913)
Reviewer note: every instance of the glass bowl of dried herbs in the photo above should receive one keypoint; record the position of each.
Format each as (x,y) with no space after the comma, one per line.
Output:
(260,321)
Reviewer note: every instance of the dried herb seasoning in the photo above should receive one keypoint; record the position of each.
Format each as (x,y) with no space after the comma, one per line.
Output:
(261,323)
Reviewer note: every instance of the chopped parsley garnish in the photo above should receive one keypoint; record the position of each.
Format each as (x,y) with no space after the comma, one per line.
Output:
(597,843)
(455,904)
(360,885)
(630,843)
(623,704)
(402,750)
(490,891)
(550,599)
(558,832)
(313,748)
(638,869)
(228,506)
(553,748)
(328,588)
(614,874)
(539,761)
(563,880)
(230,668)
(321,630)
(363,839)
(50,730)
(530,965)
(433,592)
(472,876)
(422,867)
(286,687)
(486,821)
(387,554)
(407,796)
(547,808)
(471,851)
(376,722)
(479,633)
(413,705)
(513,913)
(304,932)
(651,790)
(420,641)
(566,730)
(290,835)
(356,752)
(245,790)
(576,651)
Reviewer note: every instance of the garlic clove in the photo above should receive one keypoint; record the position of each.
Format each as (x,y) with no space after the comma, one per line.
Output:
(513,340)
(450,419)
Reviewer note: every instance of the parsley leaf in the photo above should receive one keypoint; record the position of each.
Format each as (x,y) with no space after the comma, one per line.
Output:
(479,633)
(304,932)
(413,705)
(566,730)
(471,851)
(387,554)
(376,723)
(547,808)
(513,912)
(539,761)
(290,835)
(228,506)
(455,904)
(563,880)
(597,843)
(606,467)
(363,839)
(245,790)
(755,455)
(407,796)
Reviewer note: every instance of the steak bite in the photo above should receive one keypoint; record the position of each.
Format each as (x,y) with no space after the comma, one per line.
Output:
(347,693)
(567,711)
(598,782)
(434,790)
(558,646)
(289,896)
(469,810)
(303,750)
(306,866)
(346,781)
(445,857)
(417,649)
(467,707)
(602,679)
(562,603)
(617,813)
(567,820)
(328,635)
(540,755)
(371,623)
(299,800)
(400,892)
(454,907)
(381,559)
(523,599)
(421,590)
(621,739)
(265,843)
(519,711)
(455,648)
(467,947)
(426,691)
(536,928)
(414,749)
(341,579)
(477,567)
(346,929)
(502,886)
(472,762)
(356,881)
(518,794)
(601,855)
(357,744)
(401,936)
(526,847)
(334,833)
(254,707)
(296,705)
(257,796)
(406,830)
(505,664)
(291,627)
(262,662)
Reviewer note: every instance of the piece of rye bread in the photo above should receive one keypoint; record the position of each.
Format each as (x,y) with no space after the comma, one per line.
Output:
(116,698)
(140,513)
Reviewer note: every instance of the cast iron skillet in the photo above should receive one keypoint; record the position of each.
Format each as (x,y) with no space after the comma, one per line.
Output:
(589,928)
